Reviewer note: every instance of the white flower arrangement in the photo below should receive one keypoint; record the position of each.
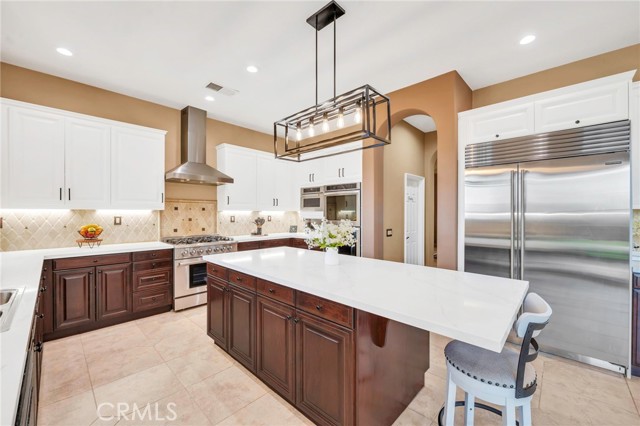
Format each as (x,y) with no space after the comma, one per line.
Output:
(326,235)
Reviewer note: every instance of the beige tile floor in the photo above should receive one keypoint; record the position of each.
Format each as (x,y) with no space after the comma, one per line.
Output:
(170,369)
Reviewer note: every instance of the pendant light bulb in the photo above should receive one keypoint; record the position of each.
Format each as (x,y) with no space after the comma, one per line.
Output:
(358,115)
(325,123)
(340,122)
(299,132)
(312,130)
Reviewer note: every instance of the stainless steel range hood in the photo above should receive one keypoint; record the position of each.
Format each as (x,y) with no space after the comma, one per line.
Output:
(193,145)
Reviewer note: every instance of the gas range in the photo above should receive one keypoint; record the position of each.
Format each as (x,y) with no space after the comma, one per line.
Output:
(200,245)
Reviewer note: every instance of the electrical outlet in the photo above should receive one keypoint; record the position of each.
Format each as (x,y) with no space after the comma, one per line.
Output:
(233,219)
(268,218)
(389,232)
(117,220)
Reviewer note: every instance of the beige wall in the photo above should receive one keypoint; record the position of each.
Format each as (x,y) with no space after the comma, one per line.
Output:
(430,161)
(43,89)
(404,155)
(609,63)
(442,98)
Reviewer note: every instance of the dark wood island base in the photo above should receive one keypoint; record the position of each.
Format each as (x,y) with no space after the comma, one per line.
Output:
(336,364)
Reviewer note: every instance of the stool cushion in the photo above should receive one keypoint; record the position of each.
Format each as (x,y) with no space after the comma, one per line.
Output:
(496,369)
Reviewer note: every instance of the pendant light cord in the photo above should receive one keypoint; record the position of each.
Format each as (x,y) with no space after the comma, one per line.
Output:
(334,56)
(316,62)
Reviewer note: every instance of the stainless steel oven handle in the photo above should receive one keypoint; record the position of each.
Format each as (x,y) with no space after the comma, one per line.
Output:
(191,262)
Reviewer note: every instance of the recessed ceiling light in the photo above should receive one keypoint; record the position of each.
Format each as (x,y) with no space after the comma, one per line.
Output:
(63,51)
(209,98)
(527,39)
(252,68)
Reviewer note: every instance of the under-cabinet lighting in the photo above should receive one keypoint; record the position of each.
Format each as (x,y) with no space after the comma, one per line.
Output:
(272,212)
(123,212)
(34,211)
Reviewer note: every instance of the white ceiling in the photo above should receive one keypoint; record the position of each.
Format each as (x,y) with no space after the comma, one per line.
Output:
(166,52)
(422,122)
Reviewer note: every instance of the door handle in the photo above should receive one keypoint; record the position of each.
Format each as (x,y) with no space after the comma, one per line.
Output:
(512,222)
(60,194)
(523,173)
(69,194)
(227,200)
(277,202)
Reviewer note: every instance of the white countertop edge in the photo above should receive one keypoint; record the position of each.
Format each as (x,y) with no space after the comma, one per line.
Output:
(393,315)
(21,269)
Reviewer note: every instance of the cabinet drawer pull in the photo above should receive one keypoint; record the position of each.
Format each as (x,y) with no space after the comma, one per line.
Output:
(319,307)
(238,279)
(153,265)
(40,316)
(497,136)
(38,347)
(95,260)
(43,289)
(271,291)
(288,317)
(153,299)
(577,121)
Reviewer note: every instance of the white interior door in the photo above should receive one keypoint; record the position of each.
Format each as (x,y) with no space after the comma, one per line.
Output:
(413,219)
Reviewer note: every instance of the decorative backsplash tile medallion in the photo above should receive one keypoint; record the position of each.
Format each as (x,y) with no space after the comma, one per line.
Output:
(186,217)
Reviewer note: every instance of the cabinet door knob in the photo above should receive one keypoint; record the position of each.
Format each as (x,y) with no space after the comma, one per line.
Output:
(577,121)
(296,320)
(38,347)
(271,291)
(319,307)
(40,316)
(95,260)
(153,299)
(288,317)
(238,279)
(153,265)
(99,271)
(43,289)
(497,136)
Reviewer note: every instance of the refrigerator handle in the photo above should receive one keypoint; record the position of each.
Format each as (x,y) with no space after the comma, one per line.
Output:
(513,221)
(521,223)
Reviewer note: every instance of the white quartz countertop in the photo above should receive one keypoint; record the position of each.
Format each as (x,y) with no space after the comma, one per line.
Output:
(476,309)
(275,236)
(21,270)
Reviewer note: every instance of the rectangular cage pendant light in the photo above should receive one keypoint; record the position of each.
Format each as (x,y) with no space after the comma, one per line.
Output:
(344,123)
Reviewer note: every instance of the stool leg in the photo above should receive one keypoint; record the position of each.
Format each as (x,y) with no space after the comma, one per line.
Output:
(469,409)
(450,403)
(509,413)
(525,414)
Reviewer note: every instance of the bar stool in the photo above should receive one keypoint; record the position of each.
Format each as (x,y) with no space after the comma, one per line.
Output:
(506,378)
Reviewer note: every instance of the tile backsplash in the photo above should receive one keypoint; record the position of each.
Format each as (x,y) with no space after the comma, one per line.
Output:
(38,229)
(185,217)
(243,222)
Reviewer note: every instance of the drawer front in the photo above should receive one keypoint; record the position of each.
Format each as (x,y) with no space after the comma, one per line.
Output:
(299,243)
(217,271)
(158,264)
(141,256)
(143,280)
(324,308)
(242,280)
(87,261)
(276,291)
(502,124)
(249,245)
(150,299)
(282,242)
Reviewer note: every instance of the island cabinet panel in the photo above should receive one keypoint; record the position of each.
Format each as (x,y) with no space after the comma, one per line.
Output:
(282,242)
(275,363)
(113,285)
(46,294)
(325,362)
(242,327)
(217,271)
(75,298)
(248,245)
(242,280)
(218,311)
(384,392)
(276,291)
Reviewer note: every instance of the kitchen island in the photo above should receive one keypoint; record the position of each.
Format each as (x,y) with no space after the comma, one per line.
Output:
(348,343)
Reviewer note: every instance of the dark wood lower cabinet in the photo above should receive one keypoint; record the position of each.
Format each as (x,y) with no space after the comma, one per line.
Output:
(74,292)
(324,370)
(334,363)
(276,351)
(242,327)
(113,284)
(218,311)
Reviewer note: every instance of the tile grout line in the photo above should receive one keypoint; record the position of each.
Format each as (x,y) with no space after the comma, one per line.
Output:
(632,398)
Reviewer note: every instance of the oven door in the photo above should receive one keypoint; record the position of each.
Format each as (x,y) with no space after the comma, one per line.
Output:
(342,205)
(312,203)
(190,277)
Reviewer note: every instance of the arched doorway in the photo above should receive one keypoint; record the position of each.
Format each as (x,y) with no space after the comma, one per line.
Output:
(413,152)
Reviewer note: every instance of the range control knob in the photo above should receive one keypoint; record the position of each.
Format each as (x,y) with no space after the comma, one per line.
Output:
(192,252)
(209,250)
(200,251)
(184,252)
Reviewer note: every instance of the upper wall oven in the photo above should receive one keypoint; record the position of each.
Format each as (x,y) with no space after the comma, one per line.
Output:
(342,201)
(312,199)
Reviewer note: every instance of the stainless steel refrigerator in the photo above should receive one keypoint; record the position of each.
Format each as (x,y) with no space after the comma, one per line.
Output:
(554,209)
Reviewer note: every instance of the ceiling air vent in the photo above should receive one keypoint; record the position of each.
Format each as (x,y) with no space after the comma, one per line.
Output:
(222,90)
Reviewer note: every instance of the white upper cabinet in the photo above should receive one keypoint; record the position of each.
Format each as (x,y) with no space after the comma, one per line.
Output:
(505,123)
(137,169)
(634,115)
(343,168)
(241,165)
(310,173)
(274,184)
(52,158)
(584,108)
(32,159)
(87,160)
